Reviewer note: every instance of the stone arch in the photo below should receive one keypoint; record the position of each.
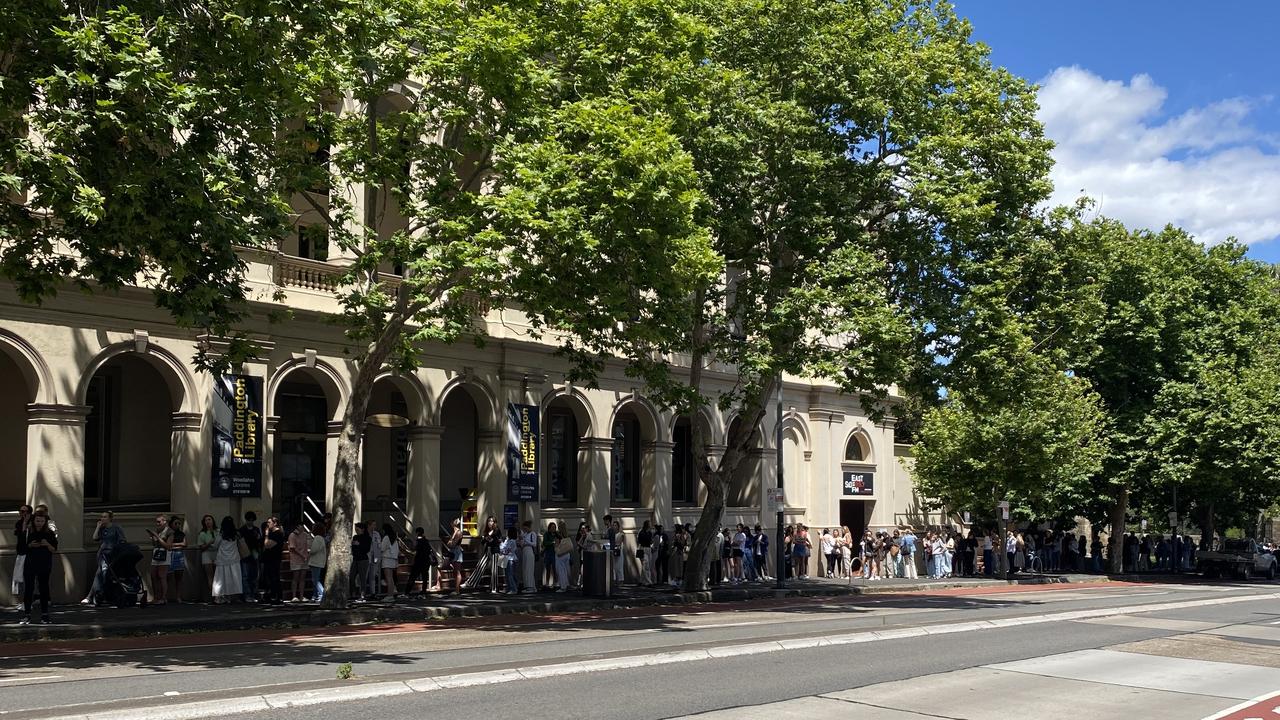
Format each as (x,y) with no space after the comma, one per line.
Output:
(858,447)
(577,401)
(329,379)
(482,395)
(32,367)
(646,413)
(175,373)
(414,393)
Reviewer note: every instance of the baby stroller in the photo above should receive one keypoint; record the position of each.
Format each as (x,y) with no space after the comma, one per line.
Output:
(122,584)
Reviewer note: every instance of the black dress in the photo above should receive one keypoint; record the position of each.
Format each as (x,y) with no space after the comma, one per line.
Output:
(38,565)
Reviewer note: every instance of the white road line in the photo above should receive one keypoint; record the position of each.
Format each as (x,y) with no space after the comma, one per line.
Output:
(28,679)
(243,704)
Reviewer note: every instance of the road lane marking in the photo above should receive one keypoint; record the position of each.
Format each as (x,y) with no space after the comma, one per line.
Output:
(207,708)
(29,679)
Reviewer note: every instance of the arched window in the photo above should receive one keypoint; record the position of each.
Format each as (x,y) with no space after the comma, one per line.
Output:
(684,471)
(562,455)
(854,451)
(625,476)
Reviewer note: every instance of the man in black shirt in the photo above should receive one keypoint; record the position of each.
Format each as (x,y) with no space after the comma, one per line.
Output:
(361,543)
(249,566)
(272,556)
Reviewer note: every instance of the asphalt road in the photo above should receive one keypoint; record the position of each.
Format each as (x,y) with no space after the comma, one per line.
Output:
(58,680)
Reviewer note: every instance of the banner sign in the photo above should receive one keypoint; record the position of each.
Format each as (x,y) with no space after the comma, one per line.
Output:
(859,483)
(237,436)
(522,452)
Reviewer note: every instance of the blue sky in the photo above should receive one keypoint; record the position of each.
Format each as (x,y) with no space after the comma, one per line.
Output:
(1163,111)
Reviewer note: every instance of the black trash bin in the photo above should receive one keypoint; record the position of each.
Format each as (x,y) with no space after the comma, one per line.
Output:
(597,573)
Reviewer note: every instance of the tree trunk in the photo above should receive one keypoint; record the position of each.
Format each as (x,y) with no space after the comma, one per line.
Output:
(347,475)
(698,565)
(1115,544)
(731,466)
(1208,529)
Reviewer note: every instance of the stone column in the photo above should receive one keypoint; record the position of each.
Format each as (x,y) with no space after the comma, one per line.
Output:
(423,503)
(188,477)
(55,477)
(656,464)
(594,456)
(766,462)
(491,475)
(262,504)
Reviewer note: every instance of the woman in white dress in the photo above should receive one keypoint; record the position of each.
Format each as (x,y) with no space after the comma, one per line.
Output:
(226,573)
(528,541)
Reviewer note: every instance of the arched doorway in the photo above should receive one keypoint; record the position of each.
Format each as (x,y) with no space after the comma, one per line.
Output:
(743,486)
(302,409)
(459,454)
(128,436)
(385,450)
(15,393)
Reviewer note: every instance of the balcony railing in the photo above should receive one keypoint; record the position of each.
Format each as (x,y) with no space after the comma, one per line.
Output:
(296,272)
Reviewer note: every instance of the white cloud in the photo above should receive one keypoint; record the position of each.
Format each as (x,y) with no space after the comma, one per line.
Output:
(1206,170)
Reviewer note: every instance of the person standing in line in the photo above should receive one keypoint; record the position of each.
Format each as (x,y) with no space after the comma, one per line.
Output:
(18,585)
(249,565)
(160,545)
(227,551)
(549,540)
(360,544)
(108,535)
(679,552)
(37,543)
(177,556)
(909,553)
(644,553)
(580,542)
(491,536)
(420,568)
(988,555)
(390,560)
(317,560)
(761,550)
(827,545)
(373,573)
(800,550)
(509,558)
(273,543)
(206,542)
(455,554)
(564,550)
(528,542)
(740,552)
(661,548)
(299,548)
(716,550)
(619,554)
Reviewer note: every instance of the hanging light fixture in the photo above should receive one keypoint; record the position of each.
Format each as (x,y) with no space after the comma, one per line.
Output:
(387,420)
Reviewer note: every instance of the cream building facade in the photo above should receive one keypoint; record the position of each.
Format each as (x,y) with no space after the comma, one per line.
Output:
(101,408)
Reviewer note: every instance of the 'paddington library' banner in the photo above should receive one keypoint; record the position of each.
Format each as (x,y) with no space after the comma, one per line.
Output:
(237,436)
(522,452)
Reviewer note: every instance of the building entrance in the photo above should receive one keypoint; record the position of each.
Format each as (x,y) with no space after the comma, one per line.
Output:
(854,514)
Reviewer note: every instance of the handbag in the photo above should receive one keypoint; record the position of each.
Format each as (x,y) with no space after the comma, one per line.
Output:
(19,567)
(159,554)
(639,553)
(243,548)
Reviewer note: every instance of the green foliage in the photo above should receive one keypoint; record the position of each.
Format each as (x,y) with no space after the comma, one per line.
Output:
(125,161)
(345,672)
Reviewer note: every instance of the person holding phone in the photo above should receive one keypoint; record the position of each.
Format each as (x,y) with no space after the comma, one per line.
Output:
(38,542)
(161,541)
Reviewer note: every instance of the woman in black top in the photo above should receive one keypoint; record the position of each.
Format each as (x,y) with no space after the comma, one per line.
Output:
(38,542)
(492,537)
(272,556)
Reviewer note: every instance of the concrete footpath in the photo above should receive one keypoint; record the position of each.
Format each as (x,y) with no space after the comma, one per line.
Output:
(85,622)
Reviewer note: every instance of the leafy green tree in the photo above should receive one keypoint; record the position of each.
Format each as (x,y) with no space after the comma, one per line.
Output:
(122,161)
(863,162)
(1215,431)
(530,159)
